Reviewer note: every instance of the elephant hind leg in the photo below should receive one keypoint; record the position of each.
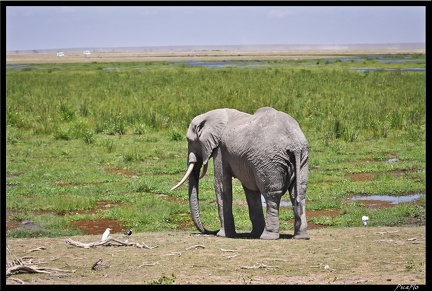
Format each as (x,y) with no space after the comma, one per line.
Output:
(304,235)
(269,235)
(256,213)
(272,215)
(300,223)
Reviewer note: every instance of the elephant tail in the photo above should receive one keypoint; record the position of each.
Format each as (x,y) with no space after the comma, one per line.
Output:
(301,162)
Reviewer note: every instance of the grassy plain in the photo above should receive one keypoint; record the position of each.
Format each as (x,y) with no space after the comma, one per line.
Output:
(102,140)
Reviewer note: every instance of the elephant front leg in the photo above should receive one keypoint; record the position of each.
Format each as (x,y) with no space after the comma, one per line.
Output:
(256,213)
(271,230)
(224,199)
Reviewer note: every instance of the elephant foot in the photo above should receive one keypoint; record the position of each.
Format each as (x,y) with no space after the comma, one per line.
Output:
(222,233)
(302,235)
(255,234)
(269,235)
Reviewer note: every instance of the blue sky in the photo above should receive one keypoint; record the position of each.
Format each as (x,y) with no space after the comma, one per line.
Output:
(56,27)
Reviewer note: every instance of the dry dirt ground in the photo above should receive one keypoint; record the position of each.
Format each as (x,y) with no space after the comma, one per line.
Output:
(333,256)
(188,56)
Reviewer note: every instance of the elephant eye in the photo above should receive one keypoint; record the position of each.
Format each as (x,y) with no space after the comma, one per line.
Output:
(200,128)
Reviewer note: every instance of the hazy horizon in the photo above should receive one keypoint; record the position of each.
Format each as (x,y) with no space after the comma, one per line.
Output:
(276,47)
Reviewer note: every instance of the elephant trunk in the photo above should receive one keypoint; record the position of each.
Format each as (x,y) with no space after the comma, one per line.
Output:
(193,192)
(194,203)
(193,174)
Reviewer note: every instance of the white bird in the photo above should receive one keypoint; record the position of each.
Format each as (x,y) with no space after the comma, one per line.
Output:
(106,234)
(365,220)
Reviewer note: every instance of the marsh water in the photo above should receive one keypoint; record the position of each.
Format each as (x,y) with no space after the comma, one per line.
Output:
(378,198)
(382,59)
(388,198)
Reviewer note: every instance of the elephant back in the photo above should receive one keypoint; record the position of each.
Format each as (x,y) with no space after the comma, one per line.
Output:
(273,122)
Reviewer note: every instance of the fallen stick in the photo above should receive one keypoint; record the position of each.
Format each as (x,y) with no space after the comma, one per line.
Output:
(148,264)
(108,242)
(17,280)
(257,266)
(36,249)
(174,254)
(25,265)
(33,269)
(196,247)
(23,269)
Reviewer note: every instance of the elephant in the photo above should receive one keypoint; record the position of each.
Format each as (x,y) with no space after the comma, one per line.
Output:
(266,151)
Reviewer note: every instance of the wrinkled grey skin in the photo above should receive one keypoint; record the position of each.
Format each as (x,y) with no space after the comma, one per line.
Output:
(267,152)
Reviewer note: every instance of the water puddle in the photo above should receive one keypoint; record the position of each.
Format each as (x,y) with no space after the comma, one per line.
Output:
(371,201)
(368,70)
(399,61)
(282,203)
(21,67)
(264,64)
(376,200)
(379,59)
(228,64)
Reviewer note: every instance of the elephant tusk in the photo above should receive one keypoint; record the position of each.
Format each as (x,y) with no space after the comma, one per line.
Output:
(204,171)
(188,172)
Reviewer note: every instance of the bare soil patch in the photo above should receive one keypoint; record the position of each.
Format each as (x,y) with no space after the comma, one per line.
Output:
(357,255)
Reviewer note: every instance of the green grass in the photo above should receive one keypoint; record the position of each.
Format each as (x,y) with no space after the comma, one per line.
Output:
(77,134)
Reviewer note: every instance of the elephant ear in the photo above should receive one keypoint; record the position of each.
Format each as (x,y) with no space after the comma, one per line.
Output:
(210,131)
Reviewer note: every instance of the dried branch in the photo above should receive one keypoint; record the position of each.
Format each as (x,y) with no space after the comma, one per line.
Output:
(224,250)
(108,242)
(17,265)
(14,259)
(148,264)
(258,266)
(196,247)
(145,246)
(23,269)
(18,280)
(56,270)
(174,254)
(33,269)
(36,249)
